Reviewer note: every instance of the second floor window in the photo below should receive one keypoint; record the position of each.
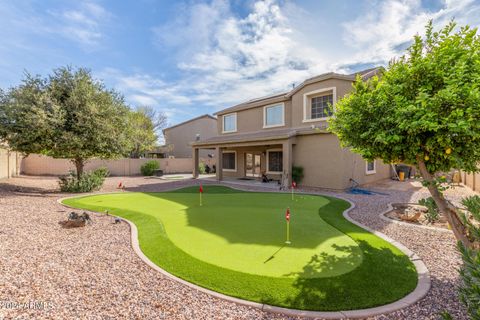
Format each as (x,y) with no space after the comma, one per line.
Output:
(274,116)
(230,122)
(322,106)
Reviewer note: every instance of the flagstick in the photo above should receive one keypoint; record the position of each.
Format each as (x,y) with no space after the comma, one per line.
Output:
(288,233)
(200,199)
(292,193)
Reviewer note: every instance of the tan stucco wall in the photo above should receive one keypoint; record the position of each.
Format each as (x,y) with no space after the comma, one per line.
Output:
(9,164)
(251,120)
(327,165)
(471,180)
(180,137)
(342,88)
(42,165)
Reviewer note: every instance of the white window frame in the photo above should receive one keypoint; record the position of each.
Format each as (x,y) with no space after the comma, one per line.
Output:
(268,162)
(223,122)
(265,126)
(234,152)
(374,167)
(308,96)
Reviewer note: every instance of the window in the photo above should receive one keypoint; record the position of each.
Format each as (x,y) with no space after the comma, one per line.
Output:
(321,106)
(370,167)
(273,116)
(318,104)
(230,122)
(229,161)
(274,161)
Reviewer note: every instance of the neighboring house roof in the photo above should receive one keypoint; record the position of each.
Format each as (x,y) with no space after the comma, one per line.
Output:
(190,120)
(365,74)
(260,135)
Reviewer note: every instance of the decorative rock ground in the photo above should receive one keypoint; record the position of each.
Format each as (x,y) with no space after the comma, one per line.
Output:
(40,262)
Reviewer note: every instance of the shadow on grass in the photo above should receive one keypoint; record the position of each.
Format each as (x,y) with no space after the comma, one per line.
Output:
(383,277)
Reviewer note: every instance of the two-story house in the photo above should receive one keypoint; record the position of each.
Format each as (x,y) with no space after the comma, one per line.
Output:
(271,134)
(179,136)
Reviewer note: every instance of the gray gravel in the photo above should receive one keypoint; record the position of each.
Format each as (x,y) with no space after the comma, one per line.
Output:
(92,272)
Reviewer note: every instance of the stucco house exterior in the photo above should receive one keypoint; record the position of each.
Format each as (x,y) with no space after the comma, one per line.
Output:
(272,134)
(179,137)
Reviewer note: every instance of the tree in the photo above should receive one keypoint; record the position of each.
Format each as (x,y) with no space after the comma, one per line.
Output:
(144,125)
(66,115)
(424,111)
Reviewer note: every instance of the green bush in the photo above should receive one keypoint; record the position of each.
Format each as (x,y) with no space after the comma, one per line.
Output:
(149,168)
(470,274)
(469,289)
(201,168)
(433,214)
(297,174)
(88,182)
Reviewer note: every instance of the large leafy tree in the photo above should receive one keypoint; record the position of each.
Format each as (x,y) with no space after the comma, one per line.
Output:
(424,111)
(66,115)
(145,122)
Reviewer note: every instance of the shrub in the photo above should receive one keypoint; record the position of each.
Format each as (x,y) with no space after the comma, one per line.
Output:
(149,167)
(469,290)
(88,182)
(201,168)
(433,213)
(470,274)
(297,174)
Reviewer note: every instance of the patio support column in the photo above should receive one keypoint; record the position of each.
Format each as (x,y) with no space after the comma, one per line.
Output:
(219,166)
(196,162)
(287,162)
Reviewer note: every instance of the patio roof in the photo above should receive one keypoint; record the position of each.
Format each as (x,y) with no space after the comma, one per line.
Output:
(257,136)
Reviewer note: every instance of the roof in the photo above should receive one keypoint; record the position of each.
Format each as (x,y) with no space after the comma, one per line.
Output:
(188,121)
(279,97)
(258,136)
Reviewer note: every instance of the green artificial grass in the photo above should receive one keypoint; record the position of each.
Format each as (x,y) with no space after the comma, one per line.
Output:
(235,244)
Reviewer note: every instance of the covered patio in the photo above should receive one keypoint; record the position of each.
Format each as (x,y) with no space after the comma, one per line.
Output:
(249,157)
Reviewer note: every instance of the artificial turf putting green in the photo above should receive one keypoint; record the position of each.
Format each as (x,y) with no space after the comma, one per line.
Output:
(235,244)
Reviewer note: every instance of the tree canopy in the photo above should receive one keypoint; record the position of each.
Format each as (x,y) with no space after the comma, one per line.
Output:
(144,125)
(66,115)
(424,110)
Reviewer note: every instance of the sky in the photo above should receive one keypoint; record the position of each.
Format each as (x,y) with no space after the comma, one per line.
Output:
(188,58)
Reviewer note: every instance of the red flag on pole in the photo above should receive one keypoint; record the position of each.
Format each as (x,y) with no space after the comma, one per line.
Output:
(287,215)
(294,184)
(201,189)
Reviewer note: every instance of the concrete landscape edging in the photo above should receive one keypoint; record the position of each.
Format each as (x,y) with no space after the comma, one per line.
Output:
(422,288)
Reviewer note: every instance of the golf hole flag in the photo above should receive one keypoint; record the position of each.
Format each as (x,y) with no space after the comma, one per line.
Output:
(200,191)
(294,185)
(287,217)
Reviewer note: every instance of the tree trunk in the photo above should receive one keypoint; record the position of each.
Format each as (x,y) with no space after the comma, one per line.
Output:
(79,164)
(456,224)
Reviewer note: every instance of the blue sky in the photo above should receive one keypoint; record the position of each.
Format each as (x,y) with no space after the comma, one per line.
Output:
(188,58)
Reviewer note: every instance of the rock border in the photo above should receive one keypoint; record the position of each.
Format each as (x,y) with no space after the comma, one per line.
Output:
(422,288)
(383,216)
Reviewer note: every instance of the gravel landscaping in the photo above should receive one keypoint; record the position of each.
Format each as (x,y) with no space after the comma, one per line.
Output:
(93,273)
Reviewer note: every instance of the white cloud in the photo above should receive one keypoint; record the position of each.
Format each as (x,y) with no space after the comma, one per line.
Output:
(390,25)
(83,24)
(224,59)
(142,89)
